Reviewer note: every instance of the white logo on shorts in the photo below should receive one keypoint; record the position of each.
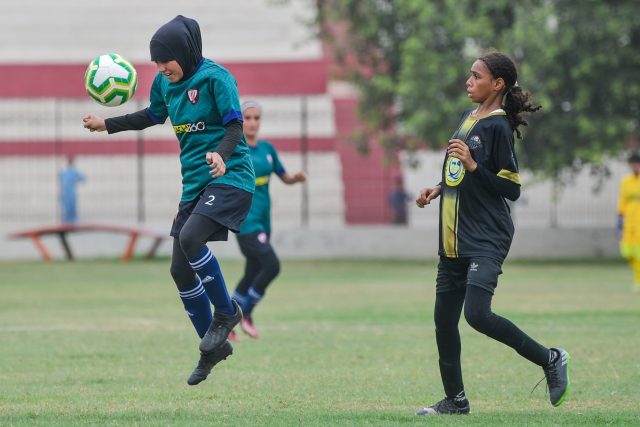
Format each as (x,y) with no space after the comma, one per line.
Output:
(473,267)
(262,238)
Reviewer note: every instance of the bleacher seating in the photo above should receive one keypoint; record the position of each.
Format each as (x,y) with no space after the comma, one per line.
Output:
(268,47)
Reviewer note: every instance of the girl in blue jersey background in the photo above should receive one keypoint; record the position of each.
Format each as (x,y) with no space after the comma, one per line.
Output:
(262,264)
(70,176)
(201,99)
(480,172)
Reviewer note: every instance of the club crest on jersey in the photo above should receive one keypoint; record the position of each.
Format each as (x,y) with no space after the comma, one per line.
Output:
(193,95)
(454,171)
(474,142)
(269,159)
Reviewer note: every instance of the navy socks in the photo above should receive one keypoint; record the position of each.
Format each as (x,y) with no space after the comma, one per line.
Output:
(249,301)
(207,268)
(196,304)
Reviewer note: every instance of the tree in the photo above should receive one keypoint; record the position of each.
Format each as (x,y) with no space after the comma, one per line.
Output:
(410,59)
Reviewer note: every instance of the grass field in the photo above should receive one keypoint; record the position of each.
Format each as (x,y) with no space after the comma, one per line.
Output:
(343,343)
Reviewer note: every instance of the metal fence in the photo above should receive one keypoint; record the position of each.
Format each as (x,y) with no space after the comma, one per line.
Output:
(134,177)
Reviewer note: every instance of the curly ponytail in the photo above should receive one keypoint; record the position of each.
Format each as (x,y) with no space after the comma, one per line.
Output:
(515,101)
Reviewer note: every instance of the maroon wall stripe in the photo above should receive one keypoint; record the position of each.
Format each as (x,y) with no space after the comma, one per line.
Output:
(254,78)
(129,147)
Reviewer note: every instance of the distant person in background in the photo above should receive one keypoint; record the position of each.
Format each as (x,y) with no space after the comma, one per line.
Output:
(629,218)
(262,264)
(201,100)
(479,172)
(70,176)
(398,200)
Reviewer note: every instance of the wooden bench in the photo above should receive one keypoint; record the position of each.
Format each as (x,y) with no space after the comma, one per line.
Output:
(62,230)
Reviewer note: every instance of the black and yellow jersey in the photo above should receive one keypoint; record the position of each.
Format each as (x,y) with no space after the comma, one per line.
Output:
(475,219)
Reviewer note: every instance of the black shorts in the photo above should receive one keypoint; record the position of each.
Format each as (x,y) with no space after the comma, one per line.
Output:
(224,204)
(254,245)
(454,273)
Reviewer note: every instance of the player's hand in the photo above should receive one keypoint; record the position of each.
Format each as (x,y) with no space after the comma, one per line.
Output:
(218,168)
(427,195)
(458,149)
(289,179)
(299,177)
(94,123)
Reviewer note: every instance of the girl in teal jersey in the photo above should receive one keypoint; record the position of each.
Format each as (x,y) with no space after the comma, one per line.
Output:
(201,99)
(262,264)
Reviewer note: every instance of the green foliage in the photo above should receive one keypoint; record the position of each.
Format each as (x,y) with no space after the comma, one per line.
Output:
(410,59)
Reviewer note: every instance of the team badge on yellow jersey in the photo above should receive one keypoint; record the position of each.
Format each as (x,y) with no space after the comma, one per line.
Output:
(454,172)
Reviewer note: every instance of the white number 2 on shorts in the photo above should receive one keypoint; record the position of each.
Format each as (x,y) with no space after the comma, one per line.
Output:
(210,201)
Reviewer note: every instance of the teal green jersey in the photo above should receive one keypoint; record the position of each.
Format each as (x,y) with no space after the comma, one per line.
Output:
(199,108)
(265,162)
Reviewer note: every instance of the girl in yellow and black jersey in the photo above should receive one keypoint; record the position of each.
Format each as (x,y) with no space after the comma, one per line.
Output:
(480,171)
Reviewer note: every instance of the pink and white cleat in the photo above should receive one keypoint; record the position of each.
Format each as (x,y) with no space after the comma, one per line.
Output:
(246,324)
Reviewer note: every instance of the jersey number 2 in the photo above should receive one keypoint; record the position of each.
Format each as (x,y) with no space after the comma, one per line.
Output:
(210,201)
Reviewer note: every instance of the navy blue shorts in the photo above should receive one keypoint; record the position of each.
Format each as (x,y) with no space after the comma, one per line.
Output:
(455,273)
(224,204)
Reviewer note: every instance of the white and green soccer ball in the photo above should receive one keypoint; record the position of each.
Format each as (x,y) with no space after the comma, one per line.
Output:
(111,80)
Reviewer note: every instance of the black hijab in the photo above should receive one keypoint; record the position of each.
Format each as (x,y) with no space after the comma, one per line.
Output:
(179,40)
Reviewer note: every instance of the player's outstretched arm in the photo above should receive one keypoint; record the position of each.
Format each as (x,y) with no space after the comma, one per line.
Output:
(427,195)
(94,123)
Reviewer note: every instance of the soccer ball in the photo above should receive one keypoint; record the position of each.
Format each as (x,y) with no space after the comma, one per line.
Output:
(111,80)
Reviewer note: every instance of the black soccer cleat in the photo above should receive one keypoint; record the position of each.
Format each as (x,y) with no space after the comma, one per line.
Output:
(208,361)
(219,329)
(557,374)
(446,406)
